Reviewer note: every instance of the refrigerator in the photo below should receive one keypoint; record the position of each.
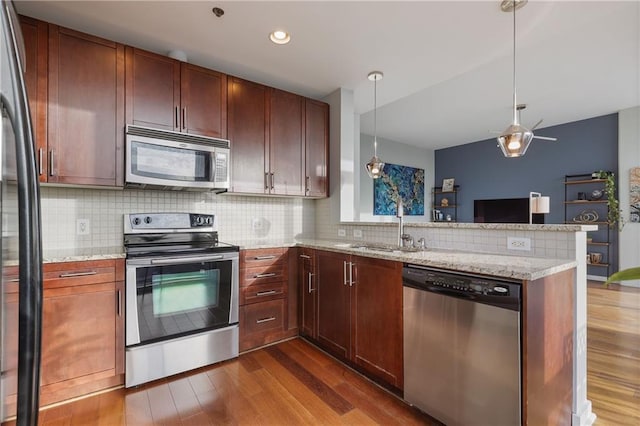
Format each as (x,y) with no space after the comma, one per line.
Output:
(20,245)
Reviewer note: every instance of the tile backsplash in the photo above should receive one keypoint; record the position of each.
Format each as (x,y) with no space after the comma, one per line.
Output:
(239,218)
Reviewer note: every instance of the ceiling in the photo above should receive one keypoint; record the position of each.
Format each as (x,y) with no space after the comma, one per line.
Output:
(447,64)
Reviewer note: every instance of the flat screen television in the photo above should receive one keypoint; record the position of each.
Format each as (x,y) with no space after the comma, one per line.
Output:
(505,210)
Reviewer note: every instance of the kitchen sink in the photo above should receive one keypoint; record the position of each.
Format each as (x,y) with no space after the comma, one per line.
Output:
(383,247)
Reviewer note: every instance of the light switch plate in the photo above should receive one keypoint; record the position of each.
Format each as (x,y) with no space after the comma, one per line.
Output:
(342,233)
(357,233)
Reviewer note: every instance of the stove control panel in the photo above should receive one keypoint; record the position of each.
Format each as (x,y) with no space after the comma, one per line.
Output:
(168,222)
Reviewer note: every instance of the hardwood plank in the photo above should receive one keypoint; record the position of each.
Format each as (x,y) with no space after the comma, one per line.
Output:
(613,353)
(163,409)
(111,408)
(137,408)
(328,395)
(213,405)
(237,398)
(184,398)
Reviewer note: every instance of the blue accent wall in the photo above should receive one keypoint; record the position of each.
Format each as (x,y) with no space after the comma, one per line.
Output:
(484,173)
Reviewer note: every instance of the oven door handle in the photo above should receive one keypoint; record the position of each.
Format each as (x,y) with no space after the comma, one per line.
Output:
(178,260)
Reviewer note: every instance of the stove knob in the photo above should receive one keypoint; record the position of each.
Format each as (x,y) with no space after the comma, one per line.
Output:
(209,221)
(136,221)
(147,219)
(199,220)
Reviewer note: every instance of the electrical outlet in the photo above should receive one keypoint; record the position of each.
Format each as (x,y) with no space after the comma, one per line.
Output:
(357,233)
(256,224)
(515,243)
(83,227)
(342,233)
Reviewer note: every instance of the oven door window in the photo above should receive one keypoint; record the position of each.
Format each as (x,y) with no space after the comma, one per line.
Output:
(175,300)
(169,163)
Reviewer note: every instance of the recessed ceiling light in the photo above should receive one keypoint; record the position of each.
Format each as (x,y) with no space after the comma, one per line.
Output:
(280,37)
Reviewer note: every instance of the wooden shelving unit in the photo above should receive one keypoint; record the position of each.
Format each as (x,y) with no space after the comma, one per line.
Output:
(451,209)
(601,243)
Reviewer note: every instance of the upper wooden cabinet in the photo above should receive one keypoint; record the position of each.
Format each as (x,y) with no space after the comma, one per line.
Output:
(286,161)
(169,94)
(316,148)
(248,133)
(265,130)
(35,34)
(85,109)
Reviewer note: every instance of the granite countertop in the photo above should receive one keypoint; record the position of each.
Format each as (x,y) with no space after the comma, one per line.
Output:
(81,254)
(498,265)
(550,227)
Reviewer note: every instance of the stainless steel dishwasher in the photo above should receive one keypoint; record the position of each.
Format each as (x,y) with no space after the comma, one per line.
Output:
(462,346)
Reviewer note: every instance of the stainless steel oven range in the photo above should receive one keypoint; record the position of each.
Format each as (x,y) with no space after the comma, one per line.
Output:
(181,295)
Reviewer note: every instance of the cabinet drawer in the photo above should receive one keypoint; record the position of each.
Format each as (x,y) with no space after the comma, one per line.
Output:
(261,292)
(263,274)
(262,257)
(263,317)
(81,273)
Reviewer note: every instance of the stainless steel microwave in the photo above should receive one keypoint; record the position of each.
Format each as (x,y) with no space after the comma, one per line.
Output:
(162,159)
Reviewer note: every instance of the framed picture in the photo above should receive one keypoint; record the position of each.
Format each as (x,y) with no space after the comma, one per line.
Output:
(447,184)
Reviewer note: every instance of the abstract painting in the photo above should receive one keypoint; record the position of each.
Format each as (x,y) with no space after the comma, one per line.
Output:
(634,195)
(406,182)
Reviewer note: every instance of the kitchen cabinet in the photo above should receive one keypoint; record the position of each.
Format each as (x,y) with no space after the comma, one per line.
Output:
(308,291)
(286,162)
(162,92)
(264,304)
(279,141)
(316,148)
(85,109)
(35,34)
(248,133)
(83,328)
(360,313)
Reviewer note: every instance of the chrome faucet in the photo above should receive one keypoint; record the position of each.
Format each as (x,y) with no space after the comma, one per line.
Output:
(400,215)
(407,240)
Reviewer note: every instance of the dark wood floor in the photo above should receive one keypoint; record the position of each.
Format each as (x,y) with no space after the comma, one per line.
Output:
(613,353)
(291,383)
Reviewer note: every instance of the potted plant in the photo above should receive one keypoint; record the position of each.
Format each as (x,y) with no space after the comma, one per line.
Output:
(614,216)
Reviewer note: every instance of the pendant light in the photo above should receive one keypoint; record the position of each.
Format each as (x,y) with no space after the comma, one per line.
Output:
(375,165)
(515,139)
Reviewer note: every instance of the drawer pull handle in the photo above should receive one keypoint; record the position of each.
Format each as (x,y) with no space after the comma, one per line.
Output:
(266,293)
(304,256)
(77,274)
(14,280)
(260,321)
(270,274)
(271,256)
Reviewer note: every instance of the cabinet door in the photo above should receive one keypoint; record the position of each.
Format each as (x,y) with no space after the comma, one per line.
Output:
(307,286)
(377,318)
(204,101)
(316,148)
(86,109)
(334,302)
(285,143)
(153,90)
(79,332)
(248,136)
(35,34)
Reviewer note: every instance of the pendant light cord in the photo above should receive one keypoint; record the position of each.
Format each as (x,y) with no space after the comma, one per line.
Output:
(375,118)
(515,109)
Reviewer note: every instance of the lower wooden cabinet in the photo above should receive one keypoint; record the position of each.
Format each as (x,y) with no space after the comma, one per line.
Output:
(264,298)
(83,328)
(358,312)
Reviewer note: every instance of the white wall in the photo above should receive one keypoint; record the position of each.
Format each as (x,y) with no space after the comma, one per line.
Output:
(628,157)
(395,153)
